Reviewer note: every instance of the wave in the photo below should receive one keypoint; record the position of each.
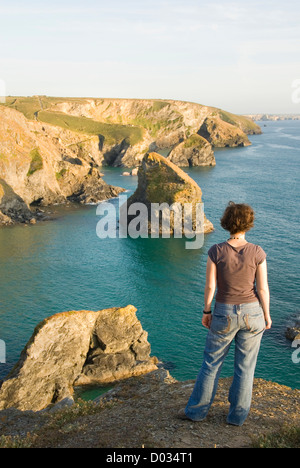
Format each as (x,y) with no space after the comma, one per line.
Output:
(289,136)
(275,145)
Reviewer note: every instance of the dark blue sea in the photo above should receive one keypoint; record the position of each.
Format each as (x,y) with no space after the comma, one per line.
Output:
(62,265)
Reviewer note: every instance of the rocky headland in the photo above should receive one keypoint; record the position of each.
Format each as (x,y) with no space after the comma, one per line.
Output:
(52,149)
(42,165)
(272,117)
(76,348)
(39,409)
(220,135)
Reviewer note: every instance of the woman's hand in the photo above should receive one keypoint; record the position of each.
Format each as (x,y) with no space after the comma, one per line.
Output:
(206,320)
(268,322)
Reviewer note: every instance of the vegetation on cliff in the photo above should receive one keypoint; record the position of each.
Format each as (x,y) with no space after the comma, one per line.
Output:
(162,182)
(194,151)
(112,133)
(141,412)
(45,164)
(52,149)
(140,123)
(36,163)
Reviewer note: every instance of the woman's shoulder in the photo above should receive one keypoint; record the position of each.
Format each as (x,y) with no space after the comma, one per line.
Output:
(215,251)
(254,246)
(216,247)
(220,245)
(258,251)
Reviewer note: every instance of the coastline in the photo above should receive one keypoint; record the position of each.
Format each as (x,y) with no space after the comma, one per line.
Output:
(51,282)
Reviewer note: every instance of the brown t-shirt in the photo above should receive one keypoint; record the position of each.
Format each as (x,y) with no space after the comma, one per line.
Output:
(236,270)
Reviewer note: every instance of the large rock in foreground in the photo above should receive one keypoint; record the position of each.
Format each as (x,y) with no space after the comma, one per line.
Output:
(160,181)
(73,348)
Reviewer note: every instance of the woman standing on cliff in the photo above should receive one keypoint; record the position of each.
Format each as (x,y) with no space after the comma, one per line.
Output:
(238,270)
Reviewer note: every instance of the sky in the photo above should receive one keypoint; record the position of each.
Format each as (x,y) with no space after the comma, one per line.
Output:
(239,56)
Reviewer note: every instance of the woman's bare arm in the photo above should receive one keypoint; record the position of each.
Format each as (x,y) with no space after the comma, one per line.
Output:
(210,289)
(263,292)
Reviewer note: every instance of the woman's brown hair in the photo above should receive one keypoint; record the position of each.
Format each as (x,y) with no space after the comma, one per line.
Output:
(237,217)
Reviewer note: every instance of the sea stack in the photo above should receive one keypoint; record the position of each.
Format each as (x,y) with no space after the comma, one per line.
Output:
(162,182)
(194,151)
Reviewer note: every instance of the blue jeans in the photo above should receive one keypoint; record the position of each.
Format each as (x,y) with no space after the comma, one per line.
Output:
(245,324)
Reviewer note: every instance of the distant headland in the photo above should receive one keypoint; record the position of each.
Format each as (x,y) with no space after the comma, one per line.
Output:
(274,117)
(52,149)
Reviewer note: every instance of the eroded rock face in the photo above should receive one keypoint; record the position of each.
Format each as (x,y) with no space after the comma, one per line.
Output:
(44,165)
(293,332)
(195,151)
(222,134)
(50,163)
(160,181)
(75,348)
(12,206)
(120,344)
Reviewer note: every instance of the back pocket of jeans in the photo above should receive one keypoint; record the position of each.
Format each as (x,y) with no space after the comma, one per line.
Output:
(255,323)
(221,324)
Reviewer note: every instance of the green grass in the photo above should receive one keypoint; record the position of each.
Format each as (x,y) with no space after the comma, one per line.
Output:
(59,175)
(247,125)
(31,108)
(195,140)
(150,118)
(286,437)
(153,124)
(159,105)
(113,133)
(62,422)
(36,162)
(27,105)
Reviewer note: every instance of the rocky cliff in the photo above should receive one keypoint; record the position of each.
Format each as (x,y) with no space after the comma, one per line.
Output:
(141,413)
(76,348)
(127,128)
(194,151)
(220,133)
(43,164)
(80,347)
(52,149)
(12,206)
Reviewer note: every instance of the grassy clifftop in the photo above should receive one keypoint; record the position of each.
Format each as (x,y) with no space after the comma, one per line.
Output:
(126,129)
(119,119)
(142,412)
(41,109)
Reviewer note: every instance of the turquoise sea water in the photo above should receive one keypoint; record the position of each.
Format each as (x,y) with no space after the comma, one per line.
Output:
(62,265)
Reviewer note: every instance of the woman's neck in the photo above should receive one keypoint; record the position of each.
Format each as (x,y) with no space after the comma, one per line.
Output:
(237,239)
(237,236)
